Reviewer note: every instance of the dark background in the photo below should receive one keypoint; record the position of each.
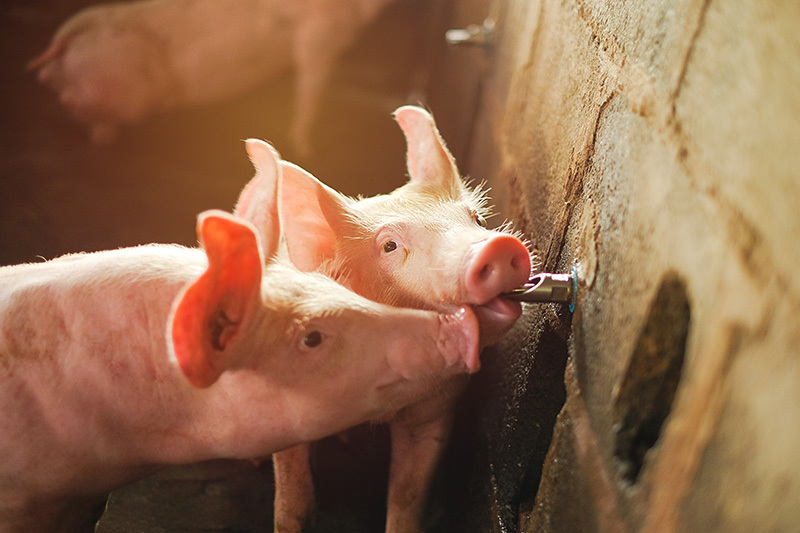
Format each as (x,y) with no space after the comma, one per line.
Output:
(60,194)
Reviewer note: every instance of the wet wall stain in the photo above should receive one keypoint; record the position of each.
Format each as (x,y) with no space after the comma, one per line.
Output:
(525,374)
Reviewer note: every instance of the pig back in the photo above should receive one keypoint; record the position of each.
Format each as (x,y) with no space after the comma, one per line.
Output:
(46,306)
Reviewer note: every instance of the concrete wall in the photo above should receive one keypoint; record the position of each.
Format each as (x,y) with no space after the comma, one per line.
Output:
(654,146)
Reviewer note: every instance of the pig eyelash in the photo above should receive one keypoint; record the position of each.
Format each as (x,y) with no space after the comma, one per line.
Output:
(477,218)
(479,200)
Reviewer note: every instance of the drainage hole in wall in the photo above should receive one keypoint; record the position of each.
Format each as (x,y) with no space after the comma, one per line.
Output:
(645,394)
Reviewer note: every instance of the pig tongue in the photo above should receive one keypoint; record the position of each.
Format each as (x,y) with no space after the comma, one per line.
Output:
(496,317)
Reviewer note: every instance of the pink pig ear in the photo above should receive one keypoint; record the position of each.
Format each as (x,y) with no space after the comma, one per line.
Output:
(208,317)
(314,217)
(258,201)
(427,157)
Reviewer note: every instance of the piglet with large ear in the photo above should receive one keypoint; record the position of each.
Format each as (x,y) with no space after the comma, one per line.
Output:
(115,363)
(424,245)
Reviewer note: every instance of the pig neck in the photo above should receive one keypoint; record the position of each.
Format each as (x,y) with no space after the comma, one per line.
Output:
(107,414)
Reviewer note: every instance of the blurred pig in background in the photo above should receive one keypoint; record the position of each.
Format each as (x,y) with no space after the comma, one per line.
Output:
(117,63)
(114,364)
(61,193)
(423,246)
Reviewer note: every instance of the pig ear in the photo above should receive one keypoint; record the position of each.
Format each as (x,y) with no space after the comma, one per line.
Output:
(258,201)
(313,216)
(208,318)
(427,157)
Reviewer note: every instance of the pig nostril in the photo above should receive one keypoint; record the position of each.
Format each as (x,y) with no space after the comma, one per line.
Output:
(486,272)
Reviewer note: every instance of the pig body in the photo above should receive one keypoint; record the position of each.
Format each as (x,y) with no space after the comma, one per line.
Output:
(118,63)
(422,246)
(113,364)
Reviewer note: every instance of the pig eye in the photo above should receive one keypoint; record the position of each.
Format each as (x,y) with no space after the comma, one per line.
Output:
(477,218)
(389,246)
(313,339)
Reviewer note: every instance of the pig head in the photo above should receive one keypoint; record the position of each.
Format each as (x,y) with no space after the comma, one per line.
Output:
(424,245)
(117,63)
(115,363)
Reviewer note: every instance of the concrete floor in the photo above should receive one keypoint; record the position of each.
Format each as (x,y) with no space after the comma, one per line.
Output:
(227,495)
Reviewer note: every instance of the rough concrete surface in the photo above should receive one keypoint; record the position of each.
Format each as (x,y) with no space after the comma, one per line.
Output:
(654,144)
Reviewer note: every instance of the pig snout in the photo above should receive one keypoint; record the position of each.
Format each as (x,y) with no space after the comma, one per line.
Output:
(499,264)
(451,347)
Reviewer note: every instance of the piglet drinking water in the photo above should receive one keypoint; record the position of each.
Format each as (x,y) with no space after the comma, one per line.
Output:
(117,63)
(422,246)
(115,363)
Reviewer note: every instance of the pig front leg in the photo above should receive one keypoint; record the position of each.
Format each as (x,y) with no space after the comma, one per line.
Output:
(419,435)
(294,489)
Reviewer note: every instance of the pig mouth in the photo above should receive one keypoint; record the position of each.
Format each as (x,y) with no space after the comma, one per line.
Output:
(453,348)
(459,336)
(495,318)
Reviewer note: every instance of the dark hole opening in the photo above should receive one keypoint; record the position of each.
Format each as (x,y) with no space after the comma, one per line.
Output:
(647,390)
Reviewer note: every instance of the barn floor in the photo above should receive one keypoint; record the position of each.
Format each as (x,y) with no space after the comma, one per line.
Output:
(228,495)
